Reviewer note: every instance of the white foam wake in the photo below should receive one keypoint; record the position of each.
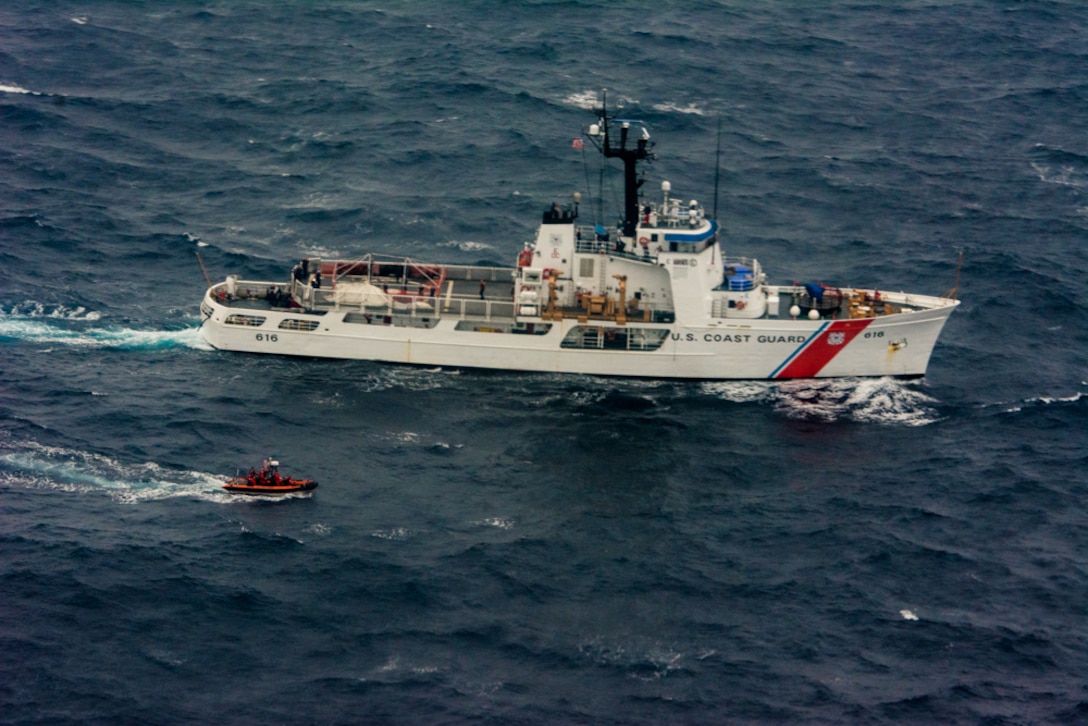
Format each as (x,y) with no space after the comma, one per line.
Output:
(871,400)
(30,464)
(77,327)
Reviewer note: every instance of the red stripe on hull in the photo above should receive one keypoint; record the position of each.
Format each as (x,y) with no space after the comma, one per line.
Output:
(821,351)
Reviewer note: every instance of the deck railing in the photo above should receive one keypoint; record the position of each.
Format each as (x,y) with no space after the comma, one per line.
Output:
(251,294)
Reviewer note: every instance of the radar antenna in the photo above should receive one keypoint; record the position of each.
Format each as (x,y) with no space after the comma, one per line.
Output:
(630,157)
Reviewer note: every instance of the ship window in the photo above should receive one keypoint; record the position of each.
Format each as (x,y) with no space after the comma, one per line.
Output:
(364,319)
(469,326)
(585,267)
(401,321)
(252,321)
(531,328)
(627,338)
(303,325)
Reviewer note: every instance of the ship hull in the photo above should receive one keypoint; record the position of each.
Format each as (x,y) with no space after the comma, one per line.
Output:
(239,485)
(893,345)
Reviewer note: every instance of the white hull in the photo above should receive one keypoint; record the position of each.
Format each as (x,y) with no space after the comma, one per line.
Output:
(893,345)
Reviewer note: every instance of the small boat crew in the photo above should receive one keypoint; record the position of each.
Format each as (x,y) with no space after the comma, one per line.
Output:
(268,481)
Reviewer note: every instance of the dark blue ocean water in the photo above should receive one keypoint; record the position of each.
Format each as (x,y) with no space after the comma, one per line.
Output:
(501,548)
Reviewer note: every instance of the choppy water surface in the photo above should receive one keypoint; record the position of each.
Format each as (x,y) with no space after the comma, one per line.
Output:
(491,547)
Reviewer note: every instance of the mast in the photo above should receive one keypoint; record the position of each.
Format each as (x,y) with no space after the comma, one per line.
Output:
(717,166)
(630,157)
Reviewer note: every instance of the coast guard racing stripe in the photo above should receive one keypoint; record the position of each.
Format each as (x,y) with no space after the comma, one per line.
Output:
(819,350)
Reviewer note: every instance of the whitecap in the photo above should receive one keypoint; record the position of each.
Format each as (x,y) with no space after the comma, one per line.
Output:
(17,89)
(34,309)
(405,437)
(691,108)
(496,522)
(1039,401)
(588,100)
(1063,176)
(467,246)
(396,533)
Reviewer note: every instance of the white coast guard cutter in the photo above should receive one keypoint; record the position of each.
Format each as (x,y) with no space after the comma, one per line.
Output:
(654,297)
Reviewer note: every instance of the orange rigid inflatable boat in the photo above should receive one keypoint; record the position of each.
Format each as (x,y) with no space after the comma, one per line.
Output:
(267,481)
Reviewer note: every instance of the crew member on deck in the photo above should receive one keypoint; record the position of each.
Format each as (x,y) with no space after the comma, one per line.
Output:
(483,286)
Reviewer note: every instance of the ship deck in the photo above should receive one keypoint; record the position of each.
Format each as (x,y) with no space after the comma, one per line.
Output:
(418,296)
(482,293)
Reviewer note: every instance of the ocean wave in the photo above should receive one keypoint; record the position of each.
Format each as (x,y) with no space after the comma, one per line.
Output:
(1040,402)
(31,309)
(467,246)
(416,380)
(398,534)
(1055,165)
(591,100)
(588,100)
(642,659)
(691,108)
(5,88)
(1062,175)
(496,522)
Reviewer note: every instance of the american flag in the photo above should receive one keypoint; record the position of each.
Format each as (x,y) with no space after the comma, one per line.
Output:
(576,143)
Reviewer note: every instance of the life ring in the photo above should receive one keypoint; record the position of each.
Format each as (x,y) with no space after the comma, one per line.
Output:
(644,241)
(741,305)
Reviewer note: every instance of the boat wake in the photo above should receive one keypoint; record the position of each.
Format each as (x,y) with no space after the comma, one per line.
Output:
(33,465)
(78,327)
(888,401)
